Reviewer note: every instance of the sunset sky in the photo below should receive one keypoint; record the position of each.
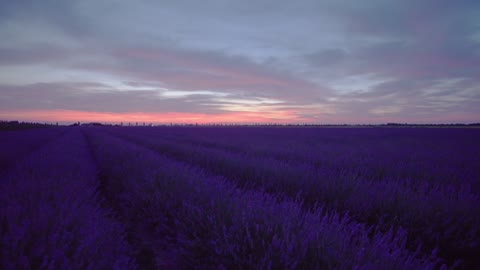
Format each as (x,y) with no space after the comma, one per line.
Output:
(249,61)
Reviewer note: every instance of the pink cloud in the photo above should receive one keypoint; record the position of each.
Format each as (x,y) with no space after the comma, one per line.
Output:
(192,71)
(70,116)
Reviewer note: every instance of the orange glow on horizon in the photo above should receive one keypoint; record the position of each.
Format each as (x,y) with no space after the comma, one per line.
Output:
(69,116)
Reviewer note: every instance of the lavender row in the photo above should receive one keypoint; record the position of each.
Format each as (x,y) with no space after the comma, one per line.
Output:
(437,156)
(206,221)
(16,144)
(436,216)
(51,216)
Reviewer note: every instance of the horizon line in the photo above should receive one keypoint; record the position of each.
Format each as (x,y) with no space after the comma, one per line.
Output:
(151,124)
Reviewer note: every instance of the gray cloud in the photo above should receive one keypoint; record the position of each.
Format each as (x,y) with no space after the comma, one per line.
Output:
(95,97)
(25,56)
(199,71)
(354,60)
(413,101)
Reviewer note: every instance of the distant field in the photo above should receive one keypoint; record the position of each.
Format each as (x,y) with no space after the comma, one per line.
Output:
(240,198)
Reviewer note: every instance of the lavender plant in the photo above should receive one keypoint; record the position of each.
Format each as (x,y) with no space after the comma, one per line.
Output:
(437,214)
(16,144)
(51,215)
(207,222)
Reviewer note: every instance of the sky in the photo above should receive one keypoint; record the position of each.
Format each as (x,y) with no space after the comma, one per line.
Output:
(249,61)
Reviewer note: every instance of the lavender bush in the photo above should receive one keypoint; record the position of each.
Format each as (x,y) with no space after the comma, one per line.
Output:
(15,144)
(207,222)
(240,198)
(442,214)
(51,216)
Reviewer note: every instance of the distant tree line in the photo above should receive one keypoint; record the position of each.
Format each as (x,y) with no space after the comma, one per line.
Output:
(14,125)
(433,125)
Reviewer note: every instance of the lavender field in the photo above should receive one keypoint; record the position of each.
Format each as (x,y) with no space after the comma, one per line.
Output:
(240,198)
